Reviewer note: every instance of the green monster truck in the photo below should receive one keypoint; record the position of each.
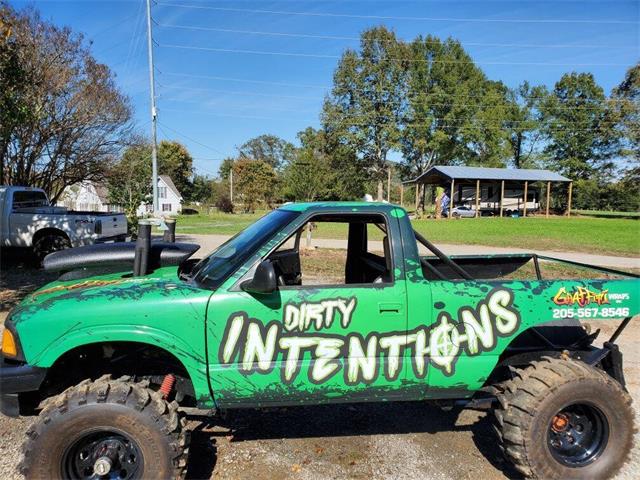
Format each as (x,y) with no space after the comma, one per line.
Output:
(132,337)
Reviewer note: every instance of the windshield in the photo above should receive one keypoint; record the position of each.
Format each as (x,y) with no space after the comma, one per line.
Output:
(216,268)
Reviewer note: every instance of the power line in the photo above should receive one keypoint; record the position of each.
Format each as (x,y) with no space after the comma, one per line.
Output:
(232,92)
(390,17)
(339,37)
(328,87)
(245,80)
(407,96)
(326,56)
(369,123)
(189,138)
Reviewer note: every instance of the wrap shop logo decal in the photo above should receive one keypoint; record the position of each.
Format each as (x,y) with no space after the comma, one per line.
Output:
(253,346)
(580,296)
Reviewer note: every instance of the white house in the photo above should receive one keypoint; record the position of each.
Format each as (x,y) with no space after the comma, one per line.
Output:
(92,196)
(87,196)
(169,198)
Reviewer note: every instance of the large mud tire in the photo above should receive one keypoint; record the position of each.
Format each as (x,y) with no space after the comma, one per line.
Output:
(91,410)
(529,420)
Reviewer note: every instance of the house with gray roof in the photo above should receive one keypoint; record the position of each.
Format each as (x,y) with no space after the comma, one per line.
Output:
(85,196)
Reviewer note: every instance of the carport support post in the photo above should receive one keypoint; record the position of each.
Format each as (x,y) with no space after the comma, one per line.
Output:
(501,197)
(417,195)
(526,194)
(401,194)
(569,199)
(453,183)
(477,198)
(548,198)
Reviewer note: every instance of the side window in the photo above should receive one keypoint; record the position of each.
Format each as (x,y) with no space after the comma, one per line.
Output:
(335,250)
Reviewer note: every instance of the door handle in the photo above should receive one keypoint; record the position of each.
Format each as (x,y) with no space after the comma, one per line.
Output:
(390,307)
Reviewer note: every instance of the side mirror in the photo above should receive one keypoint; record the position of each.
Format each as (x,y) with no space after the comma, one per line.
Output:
(264,279)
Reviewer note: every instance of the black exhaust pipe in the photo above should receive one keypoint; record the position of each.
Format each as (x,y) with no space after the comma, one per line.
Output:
(170,233)
(143,248)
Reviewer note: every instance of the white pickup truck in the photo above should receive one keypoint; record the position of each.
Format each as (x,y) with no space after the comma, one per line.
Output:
(27,219)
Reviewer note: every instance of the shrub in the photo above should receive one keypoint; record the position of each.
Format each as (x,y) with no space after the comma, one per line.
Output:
(224,204)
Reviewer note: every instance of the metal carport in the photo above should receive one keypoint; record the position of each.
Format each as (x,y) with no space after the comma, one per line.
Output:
(460,175)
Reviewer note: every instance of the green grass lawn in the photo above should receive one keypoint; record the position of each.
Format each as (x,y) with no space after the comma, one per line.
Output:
(614,236)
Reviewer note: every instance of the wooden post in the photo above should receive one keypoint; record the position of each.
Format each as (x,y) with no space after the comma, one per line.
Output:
(417,195)
(389,185)
(569,200)
(501,197)
(401,194)
(477,198)
(453,183)
(548,198)
(526,194)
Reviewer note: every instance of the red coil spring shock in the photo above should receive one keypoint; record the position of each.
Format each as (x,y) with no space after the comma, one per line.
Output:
(167,384)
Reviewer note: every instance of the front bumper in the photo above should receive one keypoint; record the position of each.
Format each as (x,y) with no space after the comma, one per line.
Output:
(17,379)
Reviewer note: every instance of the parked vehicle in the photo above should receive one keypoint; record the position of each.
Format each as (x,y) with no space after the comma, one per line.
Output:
(112,362)
(27,219)
(461,211)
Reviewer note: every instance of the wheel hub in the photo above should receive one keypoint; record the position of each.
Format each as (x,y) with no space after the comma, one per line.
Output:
(577,435)
(103,454)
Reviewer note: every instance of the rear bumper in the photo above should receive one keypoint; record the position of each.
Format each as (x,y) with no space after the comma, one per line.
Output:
(17,379)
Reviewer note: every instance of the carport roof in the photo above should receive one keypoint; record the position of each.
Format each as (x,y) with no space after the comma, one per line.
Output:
(438,173)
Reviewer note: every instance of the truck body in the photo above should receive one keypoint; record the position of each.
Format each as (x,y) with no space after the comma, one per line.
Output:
(27,218)
(241,328)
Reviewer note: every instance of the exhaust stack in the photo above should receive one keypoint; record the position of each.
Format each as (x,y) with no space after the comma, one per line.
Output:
(143,248)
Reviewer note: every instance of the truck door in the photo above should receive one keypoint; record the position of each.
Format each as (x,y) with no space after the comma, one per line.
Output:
(335,329)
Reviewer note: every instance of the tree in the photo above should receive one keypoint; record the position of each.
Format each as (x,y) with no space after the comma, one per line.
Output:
(483,137)
(346,176)
(62,118)
(202,190)
(225,168)
(309,176)
(254,180)
(129,182)
(443,96)
(367,100)
(626,99)
(176,161)
(270,149)
(579,128)
(523,123)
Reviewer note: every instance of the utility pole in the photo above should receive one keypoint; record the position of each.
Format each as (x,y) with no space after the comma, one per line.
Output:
(154,113)
(231,184)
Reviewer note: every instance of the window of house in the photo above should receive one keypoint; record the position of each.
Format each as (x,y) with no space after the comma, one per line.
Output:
(166,207)
(358,252)
(162,192)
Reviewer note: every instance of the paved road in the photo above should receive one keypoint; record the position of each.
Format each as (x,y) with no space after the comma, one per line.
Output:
(210,242)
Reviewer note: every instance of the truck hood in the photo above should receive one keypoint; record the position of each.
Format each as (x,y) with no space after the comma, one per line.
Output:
(100,294)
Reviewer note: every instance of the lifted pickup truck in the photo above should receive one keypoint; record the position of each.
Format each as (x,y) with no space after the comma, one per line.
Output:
(27,219)
(113,362)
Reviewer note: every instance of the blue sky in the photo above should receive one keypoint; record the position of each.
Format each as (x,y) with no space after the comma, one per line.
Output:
(219,92)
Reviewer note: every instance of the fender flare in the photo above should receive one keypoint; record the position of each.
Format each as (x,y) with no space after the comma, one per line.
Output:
(194,362)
